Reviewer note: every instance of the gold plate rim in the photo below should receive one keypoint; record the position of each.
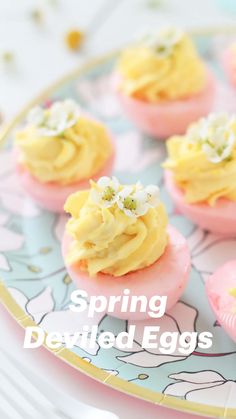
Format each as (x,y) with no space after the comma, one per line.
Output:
(110,380)
(67,356)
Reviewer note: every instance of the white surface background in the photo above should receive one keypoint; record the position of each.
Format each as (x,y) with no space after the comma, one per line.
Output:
(40,58)
(40,52)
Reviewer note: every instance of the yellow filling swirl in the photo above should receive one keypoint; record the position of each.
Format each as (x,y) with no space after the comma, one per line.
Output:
(107,240)
(151,77)
(77,154)
(206,169)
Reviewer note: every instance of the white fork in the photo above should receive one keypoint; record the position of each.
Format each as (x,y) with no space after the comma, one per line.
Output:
(25,395)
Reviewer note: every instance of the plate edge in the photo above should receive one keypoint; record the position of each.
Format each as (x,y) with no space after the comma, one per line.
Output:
(24,320)
(74,360)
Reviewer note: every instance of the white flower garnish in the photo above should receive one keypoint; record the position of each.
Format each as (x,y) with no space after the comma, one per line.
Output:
(55,120)
(216,135)
(105,192)
(163,41)
(153,195)
(133,200)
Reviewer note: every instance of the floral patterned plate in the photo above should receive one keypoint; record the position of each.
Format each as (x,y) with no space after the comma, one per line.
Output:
(36,288)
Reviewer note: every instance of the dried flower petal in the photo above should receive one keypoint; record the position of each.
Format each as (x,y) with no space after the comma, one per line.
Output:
(74,39)
(7,57)
(37,16)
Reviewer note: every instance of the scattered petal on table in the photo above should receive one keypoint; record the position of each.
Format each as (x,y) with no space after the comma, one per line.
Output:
(74,39)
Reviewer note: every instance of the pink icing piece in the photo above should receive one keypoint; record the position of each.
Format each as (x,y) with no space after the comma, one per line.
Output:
(166,119)
(229,66)
(219,219)
(166,277)
(223,304)
(52,196)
